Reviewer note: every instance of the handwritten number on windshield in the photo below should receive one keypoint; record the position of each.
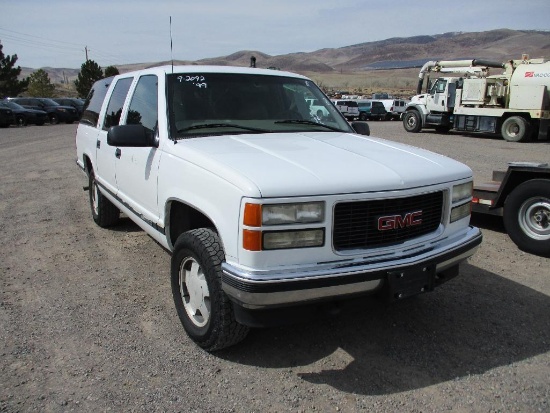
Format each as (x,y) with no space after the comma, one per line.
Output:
(198,80)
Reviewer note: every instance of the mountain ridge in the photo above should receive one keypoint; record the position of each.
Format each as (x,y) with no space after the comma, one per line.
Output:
(389,54)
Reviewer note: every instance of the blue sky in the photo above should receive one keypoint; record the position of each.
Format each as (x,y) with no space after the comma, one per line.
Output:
(55,32)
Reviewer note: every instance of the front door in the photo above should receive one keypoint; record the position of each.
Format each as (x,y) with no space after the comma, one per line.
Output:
(137,167)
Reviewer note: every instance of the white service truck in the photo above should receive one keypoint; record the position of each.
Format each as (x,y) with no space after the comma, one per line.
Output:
(514,103)
(267,210)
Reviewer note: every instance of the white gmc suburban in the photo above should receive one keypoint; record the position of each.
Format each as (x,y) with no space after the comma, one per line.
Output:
(266,208)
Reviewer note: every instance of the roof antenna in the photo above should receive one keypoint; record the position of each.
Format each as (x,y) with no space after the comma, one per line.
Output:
(171,55)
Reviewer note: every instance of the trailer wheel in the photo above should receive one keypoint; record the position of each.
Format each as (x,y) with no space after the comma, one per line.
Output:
(527,216)
(516,129)
(412,122)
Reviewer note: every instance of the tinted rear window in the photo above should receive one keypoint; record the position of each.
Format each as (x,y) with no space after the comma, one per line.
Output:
(93,103)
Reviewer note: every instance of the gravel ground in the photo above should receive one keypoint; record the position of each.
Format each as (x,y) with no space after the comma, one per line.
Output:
(87,321)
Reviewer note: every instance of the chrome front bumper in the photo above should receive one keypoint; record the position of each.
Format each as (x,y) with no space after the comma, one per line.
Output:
(269,289)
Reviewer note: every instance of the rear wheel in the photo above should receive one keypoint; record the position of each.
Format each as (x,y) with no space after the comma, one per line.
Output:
(203,308)
(104,213)
(442,129)
(516,129)
(54,119)
(527,216)
(412,122)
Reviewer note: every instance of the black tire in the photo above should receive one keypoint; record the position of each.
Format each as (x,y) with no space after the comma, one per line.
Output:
(20,120)
(54,119)
(527,216)
(412,122)
(442,129)
(104,213)
(205,311)
(516,129)
(363,116)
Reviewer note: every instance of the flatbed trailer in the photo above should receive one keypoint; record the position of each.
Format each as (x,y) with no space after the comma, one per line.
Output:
(521,195)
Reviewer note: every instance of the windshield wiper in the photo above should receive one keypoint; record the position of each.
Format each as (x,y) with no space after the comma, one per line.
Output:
(222,125)
(309,122)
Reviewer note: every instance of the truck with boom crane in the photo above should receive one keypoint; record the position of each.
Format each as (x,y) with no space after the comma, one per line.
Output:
(514,103)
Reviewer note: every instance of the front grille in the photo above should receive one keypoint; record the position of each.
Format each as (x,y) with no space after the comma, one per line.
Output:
(356,223)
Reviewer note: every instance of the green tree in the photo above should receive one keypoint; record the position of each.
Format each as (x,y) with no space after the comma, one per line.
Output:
(9,83)
(40,85)
(111,71)
(90,72)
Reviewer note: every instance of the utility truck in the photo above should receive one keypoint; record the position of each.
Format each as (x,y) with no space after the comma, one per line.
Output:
(514,103)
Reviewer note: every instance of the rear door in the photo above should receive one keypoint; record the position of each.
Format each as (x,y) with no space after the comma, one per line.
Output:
(106,155)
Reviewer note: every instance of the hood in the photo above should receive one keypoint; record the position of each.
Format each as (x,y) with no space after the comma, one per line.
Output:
(303,164)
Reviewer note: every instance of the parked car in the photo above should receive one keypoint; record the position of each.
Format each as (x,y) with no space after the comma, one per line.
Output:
(371,109)
(76,103)
(6,117)
(56,112)
(348,108)
(24,116)
(394,107)
(276,214)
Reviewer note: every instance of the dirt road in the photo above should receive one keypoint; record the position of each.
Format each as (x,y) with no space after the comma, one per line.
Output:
(87,321)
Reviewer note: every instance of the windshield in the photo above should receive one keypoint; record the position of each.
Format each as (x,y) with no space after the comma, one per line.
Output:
(364,105)
(226,103)
(11,105)
(49,102)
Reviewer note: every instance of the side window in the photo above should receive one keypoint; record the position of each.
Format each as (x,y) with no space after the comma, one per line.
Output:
(439,86)
(94,101)
(144,103)
(116,102)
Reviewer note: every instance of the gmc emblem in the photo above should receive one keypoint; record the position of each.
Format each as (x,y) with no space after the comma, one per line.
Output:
(389,222)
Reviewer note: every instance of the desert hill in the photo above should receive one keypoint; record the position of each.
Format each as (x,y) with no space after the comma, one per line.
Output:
(381,64)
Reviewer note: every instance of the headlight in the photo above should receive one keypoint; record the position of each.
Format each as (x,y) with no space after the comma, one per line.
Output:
(256,215)
(462,191)
(461,211)
(293,239)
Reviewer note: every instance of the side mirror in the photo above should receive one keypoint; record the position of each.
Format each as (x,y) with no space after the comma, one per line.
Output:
(136,136)
(361,128)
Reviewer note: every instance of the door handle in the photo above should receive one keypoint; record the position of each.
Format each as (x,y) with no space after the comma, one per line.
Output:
(98,144)
(118,152)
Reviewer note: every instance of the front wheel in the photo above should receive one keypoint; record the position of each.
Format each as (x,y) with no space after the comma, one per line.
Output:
(20,120)
(516,129)
(527,216)
(54,119)
(203,308)
(412,122)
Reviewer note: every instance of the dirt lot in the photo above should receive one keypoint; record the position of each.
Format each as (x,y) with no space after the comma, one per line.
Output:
(87,321)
